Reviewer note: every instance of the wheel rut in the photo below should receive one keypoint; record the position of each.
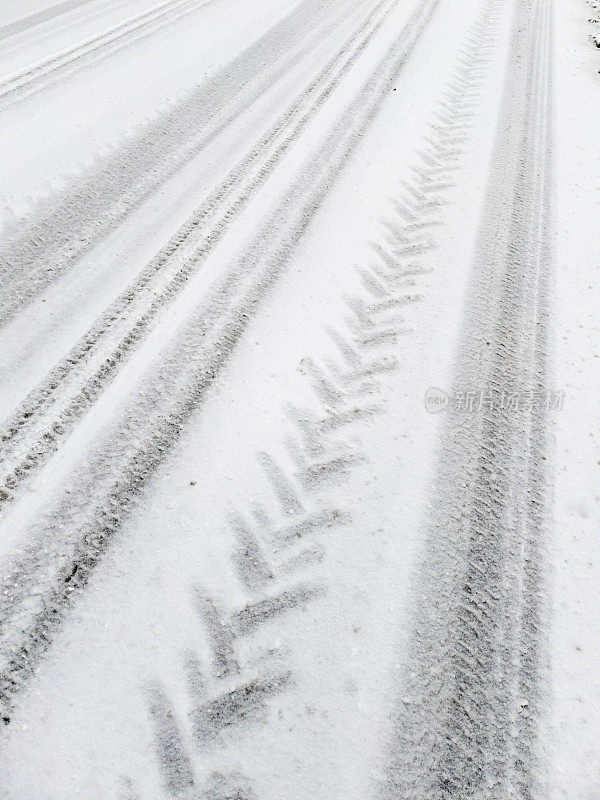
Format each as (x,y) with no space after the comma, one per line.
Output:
(79,527)
(471,719)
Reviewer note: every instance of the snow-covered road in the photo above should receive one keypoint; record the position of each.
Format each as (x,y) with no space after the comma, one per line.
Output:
(300,400)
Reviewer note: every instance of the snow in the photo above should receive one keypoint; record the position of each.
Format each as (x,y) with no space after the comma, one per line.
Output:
(576,635)
(137,541)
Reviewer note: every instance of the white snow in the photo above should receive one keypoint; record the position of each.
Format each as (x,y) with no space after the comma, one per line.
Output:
(81,725)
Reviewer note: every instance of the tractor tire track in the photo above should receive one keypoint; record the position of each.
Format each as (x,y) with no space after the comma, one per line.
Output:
(49,413)
(66,227)
(229,695)
(38,587)
(471,720)
(595,22)
(20,85)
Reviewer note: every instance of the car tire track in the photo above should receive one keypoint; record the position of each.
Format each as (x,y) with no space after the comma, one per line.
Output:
(46,14)
(51,241)
(20,85)
(64,546)
(51,411)
(471,719)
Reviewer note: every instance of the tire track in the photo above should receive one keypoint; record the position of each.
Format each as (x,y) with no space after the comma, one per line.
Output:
(64,546)
(270,546)
(595,22)
(472,715)
(67,226)
(49,413)
(20,85)
(44,15)
(228,696)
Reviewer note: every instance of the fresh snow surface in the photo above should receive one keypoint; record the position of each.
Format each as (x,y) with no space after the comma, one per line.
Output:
(300,369)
